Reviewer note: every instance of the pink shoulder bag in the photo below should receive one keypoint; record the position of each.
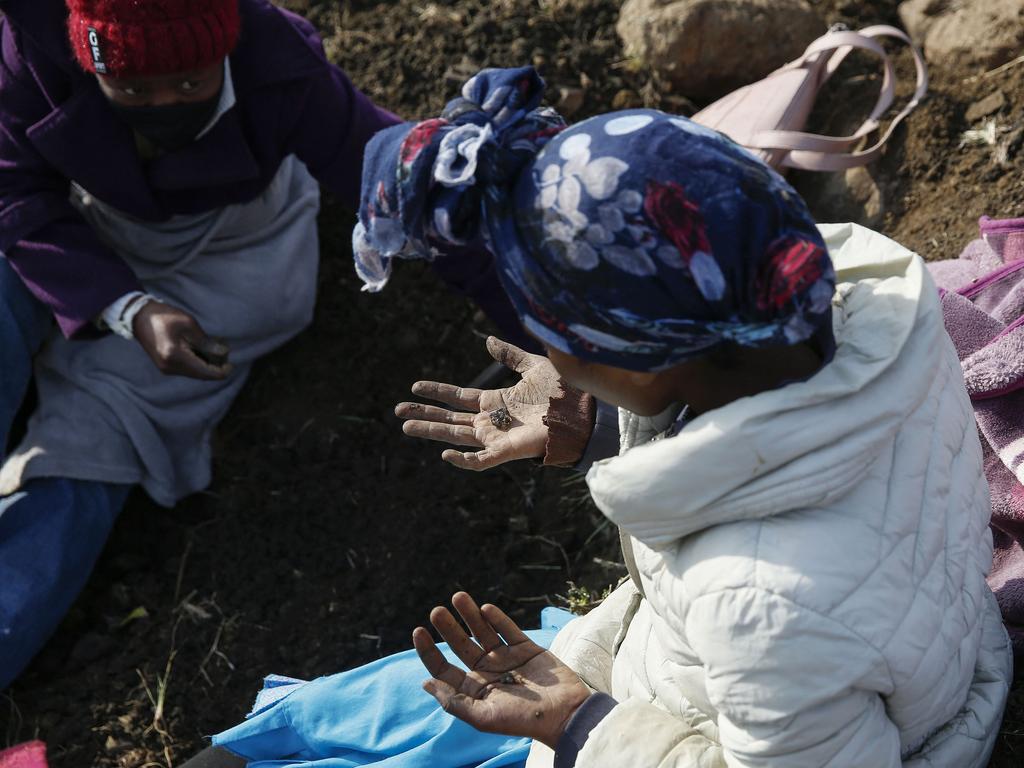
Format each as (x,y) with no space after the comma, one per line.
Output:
(768,116)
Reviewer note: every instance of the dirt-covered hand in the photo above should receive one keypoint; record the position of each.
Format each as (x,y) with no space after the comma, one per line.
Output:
(177,345)
(513,686)
(471,425)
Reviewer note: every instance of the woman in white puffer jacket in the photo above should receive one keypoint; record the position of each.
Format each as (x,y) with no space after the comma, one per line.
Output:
(807,538)
(807,546)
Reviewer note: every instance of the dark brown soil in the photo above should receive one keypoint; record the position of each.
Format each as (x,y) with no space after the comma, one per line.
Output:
(327,535)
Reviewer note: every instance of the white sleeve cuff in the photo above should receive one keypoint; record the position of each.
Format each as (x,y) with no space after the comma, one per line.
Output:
(118,316)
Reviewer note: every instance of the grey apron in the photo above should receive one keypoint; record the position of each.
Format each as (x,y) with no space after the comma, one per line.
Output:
(247,273)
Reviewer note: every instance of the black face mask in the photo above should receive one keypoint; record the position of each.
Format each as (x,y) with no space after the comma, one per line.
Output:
(169,127)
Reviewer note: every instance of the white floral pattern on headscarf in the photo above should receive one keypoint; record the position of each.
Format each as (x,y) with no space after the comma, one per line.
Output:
(637,239)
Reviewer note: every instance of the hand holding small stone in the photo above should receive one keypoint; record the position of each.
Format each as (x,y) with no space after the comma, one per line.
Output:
(512,686)
(499,425)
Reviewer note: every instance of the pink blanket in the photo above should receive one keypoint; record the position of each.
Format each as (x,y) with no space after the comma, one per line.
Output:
(983,308)
(29,755)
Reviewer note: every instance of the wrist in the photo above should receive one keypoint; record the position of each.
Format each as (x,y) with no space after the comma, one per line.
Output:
(119,317)
(554,737)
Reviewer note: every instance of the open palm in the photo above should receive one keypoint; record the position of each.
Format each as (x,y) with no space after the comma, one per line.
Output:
(511,686)
(470,424)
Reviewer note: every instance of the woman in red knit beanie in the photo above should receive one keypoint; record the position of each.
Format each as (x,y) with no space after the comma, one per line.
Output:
(159,62)
(192,135)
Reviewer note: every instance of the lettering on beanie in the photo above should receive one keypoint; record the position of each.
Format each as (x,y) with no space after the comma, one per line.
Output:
(97,53)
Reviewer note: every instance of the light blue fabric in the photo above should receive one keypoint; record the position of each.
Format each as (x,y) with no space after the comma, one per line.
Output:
(377,715)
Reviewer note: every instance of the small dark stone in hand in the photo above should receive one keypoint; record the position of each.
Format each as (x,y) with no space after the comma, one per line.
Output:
(501,418)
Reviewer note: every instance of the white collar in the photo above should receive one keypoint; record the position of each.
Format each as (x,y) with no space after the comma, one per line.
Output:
(227,100)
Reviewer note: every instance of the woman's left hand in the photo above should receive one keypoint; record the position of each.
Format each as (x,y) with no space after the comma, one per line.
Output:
(513,686)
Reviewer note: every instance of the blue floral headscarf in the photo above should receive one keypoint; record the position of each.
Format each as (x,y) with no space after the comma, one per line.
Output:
(636,239)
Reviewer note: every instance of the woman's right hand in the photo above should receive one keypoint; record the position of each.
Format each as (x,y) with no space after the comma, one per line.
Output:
(177,345)
(511,685)
(468,421)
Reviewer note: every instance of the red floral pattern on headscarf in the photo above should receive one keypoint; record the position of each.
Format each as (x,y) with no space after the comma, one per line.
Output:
(678,218)
(793,266)
(419,138)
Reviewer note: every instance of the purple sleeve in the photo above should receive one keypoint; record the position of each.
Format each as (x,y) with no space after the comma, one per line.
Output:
(334,122)
(56,254)
(577,730)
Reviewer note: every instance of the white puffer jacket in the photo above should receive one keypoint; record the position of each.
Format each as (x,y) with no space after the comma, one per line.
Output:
(813,560)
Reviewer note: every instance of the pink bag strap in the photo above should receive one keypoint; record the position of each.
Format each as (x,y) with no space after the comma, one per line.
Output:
(809,151)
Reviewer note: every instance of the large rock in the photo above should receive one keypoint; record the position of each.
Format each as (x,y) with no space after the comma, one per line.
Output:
(706,48)
(986,33)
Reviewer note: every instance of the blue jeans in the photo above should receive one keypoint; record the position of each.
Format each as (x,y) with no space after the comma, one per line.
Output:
(52,530)
(24,325)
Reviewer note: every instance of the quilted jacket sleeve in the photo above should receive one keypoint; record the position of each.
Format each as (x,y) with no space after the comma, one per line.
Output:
(792,688)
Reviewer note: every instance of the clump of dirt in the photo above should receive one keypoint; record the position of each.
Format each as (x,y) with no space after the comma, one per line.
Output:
(327,535)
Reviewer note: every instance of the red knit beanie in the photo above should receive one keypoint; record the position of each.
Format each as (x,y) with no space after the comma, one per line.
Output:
(132,38)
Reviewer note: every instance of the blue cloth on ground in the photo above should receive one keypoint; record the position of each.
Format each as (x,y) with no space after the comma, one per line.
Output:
(375,715)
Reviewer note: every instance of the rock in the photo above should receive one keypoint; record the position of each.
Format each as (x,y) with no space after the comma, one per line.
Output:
(851,196)
(985,107)
(706,48)
(569,101)
(986,33)
(626,99)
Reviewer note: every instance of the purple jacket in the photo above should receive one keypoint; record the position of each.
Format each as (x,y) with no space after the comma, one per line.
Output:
(56,126)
